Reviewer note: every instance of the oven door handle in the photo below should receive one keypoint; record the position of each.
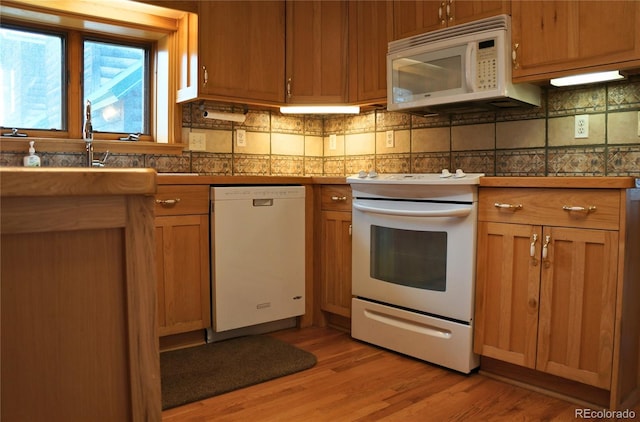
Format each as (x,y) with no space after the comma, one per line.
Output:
(452,212)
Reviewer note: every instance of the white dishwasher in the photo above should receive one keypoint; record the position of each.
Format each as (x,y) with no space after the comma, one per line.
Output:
(258,254)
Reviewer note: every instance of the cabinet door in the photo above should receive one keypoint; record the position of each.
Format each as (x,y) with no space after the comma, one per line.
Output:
(507,287)
(182,248)
(417,17)
(577,305)
(556,38)
(370,30)
(316,60)
(241,46)
(336,262)
(420,16)
(462,11)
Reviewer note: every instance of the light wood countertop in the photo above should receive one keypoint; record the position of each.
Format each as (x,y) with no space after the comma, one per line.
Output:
(590,182)
(195,179)
(75,181)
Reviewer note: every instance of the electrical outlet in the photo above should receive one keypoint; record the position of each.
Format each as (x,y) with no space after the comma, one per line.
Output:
(389,139)
(332,141)
(197,141)
(582,126)
(241,138)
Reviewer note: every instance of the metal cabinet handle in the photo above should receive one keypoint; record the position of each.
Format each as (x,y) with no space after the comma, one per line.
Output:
(545,250)
(513,207)
(205,76)
(289,88)
(514,56)
(449,15)
(339,198)
(440,12)
(167,202)
(532,249)
(588,209)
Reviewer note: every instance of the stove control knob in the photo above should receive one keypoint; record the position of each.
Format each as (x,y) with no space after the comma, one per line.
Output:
(445,174)
(460,173)
(373,174)
(362,174)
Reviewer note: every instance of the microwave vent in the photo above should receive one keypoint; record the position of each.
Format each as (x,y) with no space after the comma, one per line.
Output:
(500,22)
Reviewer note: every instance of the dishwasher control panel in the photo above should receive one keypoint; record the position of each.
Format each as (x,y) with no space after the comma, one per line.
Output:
(253,192)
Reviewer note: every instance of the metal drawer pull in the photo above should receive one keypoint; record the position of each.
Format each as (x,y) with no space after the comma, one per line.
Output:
(580,209)
(167,202)
(339,198)
(513,207)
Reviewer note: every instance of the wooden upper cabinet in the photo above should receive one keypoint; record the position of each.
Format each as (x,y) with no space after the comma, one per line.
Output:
(420,16)
(240,53)
(559,38)
(316,51)
(370,30)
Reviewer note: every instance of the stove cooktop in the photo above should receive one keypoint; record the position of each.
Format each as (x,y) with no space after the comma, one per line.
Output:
(443,178)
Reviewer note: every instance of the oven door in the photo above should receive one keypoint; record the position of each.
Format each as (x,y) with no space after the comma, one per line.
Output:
(415,255)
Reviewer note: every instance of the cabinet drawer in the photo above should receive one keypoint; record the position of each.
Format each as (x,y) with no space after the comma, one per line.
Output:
(336,197)
(588,208)
(182,199)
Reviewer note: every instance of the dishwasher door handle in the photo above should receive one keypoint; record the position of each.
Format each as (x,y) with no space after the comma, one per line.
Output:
(263,202)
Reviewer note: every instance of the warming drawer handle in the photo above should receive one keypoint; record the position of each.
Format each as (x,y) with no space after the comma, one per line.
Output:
(339,198)
(454,212)
(407,324)
(167,202)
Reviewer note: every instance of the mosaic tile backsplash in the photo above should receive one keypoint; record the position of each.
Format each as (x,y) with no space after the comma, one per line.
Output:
(528,142)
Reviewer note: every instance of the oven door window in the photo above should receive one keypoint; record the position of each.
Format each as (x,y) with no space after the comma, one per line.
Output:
(409,257)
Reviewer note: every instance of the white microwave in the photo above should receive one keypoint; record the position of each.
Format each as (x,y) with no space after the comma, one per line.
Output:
(464,66)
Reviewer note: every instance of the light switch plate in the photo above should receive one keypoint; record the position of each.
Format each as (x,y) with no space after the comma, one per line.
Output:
(389,137)
(241,138)
(197,141)
(332,141)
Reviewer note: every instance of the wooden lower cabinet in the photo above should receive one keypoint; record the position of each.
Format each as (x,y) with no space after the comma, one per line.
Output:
(78,339)
(335,253)
(548,296)
(554,314)
(182,250)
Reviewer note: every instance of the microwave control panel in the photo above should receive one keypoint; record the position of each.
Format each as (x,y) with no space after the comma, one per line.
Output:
(486,65)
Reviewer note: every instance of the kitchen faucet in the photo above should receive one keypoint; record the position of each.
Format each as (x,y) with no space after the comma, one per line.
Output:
(87,134)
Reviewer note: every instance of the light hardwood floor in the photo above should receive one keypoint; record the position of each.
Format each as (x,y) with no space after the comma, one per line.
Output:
(355,381)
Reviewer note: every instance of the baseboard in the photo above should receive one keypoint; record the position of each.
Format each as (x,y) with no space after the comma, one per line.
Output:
(571,391)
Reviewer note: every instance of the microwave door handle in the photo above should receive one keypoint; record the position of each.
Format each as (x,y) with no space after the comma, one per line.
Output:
(470,68)
(454,212)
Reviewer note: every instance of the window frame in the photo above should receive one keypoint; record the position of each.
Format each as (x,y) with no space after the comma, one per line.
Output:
(157,26)
(72,81)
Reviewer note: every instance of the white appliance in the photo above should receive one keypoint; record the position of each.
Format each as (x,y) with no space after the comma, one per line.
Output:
(258,255)
(463,67)
(413,264)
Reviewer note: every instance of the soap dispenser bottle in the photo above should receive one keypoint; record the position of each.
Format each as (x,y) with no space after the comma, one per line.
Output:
(32,160)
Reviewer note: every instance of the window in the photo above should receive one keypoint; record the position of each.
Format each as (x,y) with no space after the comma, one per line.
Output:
(36,71)
(31,72)
(115,81)
(122,55)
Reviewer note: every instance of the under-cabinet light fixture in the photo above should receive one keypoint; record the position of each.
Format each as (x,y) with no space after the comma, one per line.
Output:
(320,109)
(587,78)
